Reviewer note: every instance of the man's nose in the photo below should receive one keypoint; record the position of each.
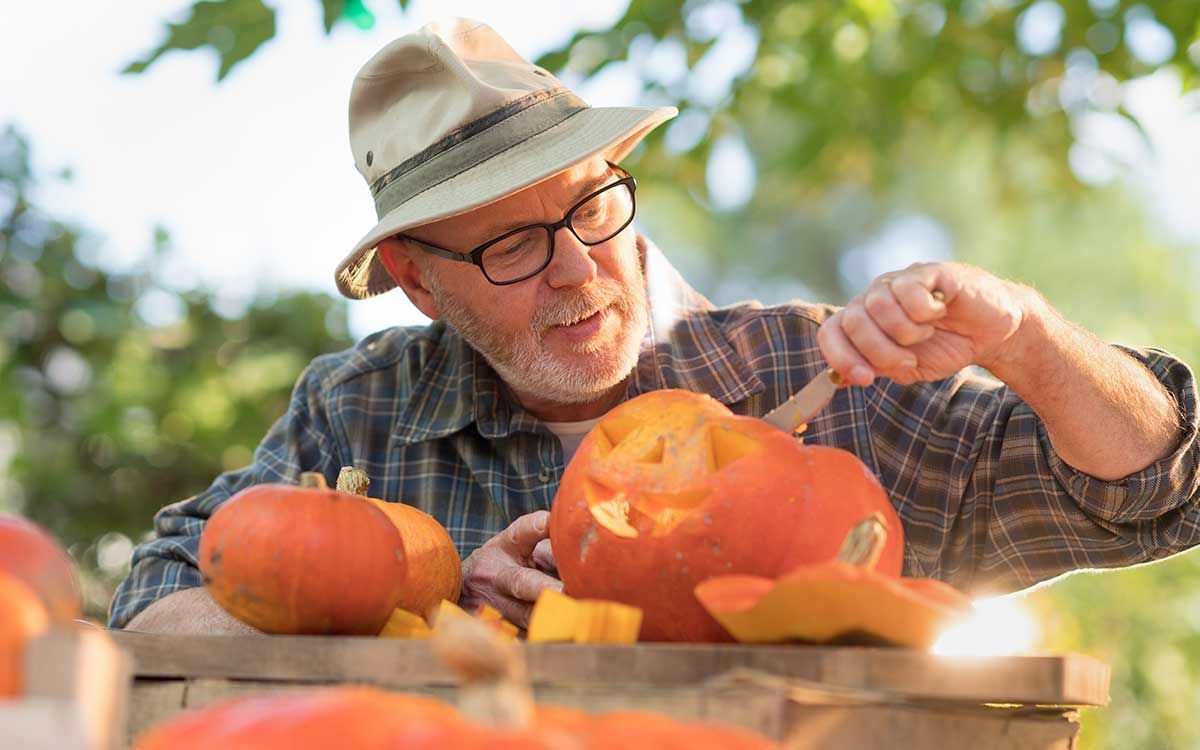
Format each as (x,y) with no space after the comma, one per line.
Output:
(572,264)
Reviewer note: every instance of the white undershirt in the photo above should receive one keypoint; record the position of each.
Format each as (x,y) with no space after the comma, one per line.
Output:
(571,434)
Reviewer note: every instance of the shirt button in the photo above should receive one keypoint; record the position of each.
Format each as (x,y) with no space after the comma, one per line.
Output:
(546,474)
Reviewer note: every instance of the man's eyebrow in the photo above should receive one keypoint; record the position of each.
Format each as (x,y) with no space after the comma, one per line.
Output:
(588,187)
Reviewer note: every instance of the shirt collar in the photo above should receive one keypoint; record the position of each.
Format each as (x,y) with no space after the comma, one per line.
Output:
(684,348)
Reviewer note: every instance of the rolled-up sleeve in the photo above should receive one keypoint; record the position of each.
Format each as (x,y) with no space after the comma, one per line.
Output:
(298,441)
(988,504)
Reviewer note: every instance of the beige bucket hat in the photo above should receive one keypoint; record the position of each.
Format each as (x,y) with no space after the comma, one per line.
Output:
(451,118)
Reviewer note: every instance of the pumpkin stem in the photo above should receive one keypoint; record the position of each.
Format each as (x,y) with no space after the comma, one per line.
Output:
(313,480)
(495,690)
(352,480)
(864,543)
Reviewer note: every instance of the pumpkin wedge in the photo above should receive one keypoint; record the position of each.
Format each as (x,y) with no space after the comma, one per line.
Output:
(558,617)
(843,598)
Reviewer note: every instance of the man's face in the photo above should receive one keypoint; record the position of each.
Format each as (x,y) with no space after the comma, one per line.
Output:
(567,335)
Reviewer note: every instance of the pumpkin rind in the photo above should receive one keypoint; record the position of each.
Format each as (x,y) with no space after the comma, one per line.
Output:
(670,489)
(288,559)
(22,617)
(34,557)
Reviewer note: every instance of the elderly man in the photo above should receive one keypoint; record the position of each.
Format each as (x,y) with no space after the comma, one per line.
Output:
(504,218)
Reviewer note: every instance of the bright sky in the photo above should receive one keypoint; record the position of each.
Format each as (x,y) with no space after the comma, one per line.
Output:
(253,178)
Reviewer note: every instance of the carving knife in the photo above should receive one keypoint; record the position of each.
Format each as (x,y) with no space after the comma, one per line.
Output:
(806,402)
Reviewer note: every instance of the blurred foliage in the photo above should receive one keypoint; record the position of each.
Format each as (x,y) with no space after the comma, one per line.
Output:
(104,418)
(949,123)
(235,29)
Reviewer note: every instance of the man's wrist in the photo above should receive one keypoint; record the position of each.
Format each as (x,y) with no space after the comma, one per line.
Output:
(1022,360)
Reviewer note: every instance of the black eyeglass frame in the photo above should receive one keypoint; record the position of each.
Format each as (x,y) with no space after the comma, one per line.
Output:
(475,257)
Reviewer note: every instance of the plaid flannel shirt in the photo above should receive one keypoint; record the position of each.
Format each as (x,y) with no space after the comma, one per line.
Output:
(986,503)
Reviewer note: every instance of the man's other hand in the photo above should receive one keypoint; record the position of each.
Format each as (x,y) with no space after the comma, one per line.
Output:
(506,572)
(900,329)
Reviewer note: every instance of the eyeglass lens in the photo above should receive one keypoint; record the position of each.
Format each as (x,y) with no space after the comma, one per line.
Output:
(527,252)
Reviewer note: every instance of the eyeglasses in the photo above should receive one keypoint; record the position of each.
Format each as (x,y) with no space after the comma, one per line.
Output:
(526,251)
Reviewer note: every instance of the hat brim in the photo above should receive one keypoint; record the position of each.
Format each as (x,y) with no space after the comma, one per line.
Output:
(591,131)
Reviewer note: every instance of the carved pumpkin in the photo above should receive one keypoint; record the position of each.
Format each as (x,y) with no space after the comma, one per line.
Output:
(840,599)
(22,617)
(434,567)
(671,488)
(35,558)
(303,560)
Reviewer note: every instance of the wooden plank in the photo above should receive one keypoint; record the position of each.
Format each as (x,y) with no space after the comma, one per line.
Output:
(1048,679)
(872,727)
(44,724)
(152,701)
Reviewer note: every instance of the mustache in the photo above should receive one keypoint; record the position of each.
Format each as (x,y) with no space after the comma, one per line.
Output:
(568,306)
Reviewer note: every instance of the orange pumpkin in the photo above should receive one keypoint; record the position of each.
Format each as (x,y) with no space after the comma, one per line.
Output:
(434,567)
(35,558)
(671,488)
(351,717)
(22,617)
(839,599)
(303,560)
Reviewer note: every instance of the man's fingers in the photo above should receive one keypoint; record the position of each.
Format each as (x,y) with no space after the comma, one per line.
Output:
(891,317)
(543,557)
(884,355)
(915,295)
(840,352)
(516,612)
(524,584)
(523,534)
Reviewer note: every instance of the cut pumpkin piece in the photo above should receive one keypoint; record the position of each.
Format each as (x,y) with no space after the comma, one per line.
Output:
(557,617)
(836,599)
(405,624)
(489,614)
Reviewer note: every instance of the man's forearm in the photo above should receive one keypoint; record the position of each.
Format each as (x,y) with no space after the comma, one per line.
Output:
(188,612)
(1106,414)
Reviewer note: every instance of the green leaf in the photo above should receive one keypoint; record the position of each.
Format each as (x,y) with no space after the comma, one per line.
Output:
(234,29)
(332,11)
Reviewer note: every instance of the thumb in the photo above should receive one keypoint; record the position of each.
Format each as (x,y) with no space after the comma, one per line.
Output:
(523,534)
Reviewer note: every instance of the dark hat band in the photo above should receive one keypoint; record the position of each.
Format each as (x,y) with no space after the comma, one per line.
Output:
(474,143)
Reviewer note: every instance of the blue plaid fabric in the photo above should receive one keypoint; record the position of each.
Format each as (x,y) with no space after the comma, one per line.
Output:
(986,503)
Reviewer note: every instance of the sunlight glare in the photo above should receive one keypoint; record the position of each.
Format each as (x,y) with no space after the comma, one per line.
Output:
(999,627)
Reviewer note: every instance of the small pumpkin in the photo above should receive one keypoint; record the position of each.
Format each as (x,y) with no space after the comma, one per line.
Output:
(303,560)
(434,570)
(671,488)
(839,599)
(22,618)
(35,558)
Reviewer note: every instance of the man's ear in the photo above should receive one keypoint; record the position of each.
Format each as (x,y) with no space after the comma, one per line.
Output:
(407,274)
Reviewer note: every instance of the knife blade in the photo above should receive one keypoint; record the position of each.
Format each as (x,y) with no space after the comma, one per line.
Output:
(806,402)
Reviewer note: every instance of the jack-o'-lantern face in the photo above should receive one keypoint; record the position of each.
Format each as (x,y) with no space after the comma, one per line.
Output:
(671,488)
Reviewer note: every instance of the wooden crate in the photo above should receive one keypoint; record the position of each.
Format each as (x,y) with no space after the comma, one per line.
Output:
(76,685)
(808,697)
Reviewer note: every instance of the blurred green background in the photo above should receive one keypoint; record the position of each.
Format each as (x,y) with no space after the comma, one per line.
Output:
(819,143)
